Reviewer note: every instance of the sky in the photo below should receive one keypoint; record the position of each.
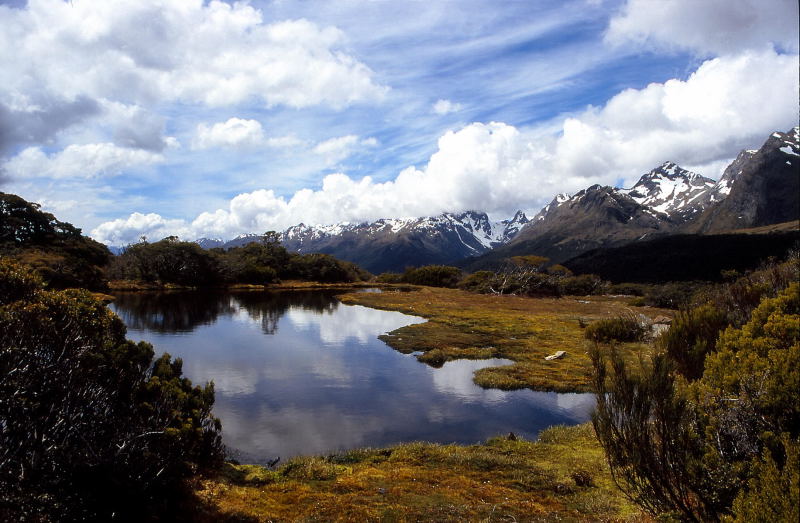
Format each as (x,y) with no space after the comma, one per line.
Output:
(132,118)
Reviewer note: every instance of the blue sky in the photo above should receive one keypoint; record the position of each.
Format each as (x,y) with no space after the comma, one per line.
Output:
(132,118)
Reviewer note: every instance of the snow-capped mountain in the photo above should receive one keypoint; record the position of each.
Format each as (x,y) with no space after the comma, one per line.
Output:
(760,187)
(671,190)
(393,244)
(210,243)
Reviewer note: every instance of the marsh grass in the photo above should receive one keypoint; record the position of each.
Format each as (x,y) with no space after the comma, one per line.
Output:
(463,325)
(500,480)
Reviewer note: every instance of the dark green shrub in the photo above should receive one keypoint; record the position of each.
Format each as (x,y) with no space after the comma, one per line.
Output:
(480,282)
(433,276)
(167,261)
(630,289)
(622,329)
(323,268)
(673,295)
(389,277)
(689,450)
(91,428)
(583,285)
(691,337)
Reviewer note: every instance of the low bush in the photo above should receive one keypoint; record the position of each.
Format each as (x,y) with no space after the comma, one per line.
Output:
(433,276)
(389,277)
(623,329)
(583,285)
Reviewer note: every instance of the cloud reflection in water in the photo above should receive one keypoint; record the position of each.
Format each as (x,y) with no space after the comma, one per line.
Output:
(300,373)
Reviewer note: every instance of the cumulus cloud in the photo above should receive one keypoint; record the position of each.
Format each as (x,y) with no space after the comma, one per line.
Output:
(23,121)
(496,167)
(141,51)
(78,161)
(135,127)
(234,133)
(712,27)
(128,230)
(443,107)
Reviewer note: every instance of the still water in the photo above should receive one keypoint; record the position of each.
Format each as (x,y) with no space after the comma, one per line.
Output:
(301,373)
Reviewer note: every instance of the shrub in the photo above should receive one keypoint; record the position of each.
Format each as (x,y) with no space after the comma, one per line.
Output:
(480,282)
(583,285)
(433,276)
(691,337)
(389,277)
(630,289)
(323,268)
(90,426)
(689,450)
(773,491)
(622,329)
(673,295)
(166,261)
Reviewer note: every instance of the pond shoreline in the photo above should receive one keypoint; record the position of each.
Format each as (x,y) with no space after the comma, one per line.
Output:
(131,285)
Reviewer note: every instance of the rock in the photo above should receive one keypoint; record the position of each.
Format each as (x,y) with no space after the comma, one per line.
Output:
(662,320)
(557,356)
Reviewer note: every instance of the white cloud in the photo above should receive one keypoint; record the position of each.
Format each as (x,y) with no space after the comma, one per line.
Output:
(707,26)
(146,51)
(496,167)
(234,133)
(446,107)
(284,142)
(129,230)
(339,148)
(78,161)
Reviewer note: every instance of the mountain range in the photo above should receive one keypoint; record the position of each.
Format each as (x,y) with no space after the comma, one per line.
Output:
(760,187)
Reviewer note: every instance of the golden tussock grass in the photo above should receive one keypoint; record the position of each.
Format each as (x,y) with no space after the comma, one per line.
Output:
(463,325)
(563,477)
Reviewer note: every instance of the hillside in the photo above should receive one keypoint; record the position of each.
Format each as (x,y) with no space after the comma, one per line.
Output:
(56,249)
(684,257)
(766,187)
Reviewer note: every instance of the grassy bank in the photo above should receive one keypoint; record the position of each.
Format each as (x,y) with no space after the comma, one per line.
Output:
(525,330)
(562,477)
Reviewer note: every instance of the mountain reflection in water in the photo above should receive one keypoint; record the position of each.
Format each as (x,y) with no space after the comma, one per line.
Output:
(301,373)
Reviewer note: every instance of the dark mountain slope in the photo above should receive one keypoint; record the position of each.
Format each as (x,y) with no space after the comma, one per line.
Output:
(593,218)
(394,244)
(684,257)
(765,190)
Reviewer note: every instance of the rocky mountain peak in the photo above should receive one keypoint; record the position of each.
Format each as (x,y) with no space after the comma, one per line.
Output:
(672,190)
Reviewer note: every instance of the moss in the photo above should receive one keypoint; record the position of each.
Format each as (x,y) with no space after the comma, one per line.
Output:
(504,479)
(463,325)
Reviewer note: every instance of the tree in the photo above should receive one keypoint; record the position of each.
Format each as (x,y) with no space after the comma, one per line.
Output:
(90,425)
